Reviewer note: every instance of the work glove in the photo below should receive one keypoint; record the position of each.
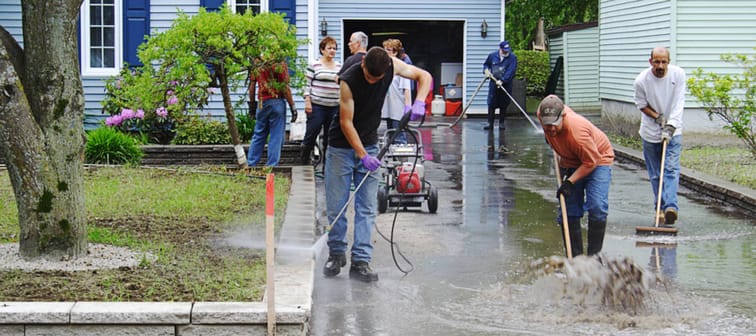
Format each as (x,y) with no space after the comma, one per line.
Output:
(661,120)
(407,108)
(565,172)
(370,162)
(252,106)
(418,110)
(667,132)
(487,72)
(565,189)
(293,113)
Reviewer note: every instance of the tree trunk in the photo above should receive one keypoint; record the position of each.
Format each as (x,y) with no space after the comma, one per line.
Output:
(241,159)
(41,128)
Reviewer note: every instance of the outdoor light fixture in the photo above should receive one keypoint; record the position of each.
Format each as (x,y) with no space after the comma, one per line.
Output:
(484,29)
(323,27)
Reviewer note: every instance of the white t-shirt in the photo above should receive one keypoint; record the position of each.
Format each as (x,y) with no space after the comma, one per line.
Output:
(393,106)
(664,95)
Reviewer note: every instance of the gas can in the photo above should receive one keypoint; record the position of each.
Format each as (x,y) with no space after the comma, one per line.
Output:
(438,106)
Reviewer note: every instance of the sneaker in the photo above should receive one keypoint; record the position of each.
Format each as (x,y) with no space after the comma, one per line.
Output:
(501,126)
(670,216)
(334,264)
(360,270)
(487,127)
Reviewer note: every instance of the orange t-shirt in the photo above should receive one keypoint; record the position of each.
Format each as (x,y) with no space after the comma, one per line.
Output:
(580,142)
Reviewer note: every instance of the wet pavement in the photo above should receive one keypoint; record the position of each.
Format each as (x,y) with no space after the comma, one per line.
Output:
(468,263)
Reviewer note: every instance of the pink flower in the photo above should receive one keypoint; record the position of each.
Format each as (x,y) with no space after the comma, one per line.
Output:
(127,114)
(172,100)
(161,112)
(140,114)
(169,92)
(115,120)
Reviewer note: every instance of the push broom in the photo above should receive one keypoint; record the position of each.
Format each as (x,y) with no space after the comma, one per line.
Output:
(656,229)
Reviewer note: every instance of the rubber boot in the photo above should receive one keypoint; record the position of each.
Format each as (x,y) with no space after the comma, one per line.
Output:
(491,114)
(596,230)
(576,237)
(304,155)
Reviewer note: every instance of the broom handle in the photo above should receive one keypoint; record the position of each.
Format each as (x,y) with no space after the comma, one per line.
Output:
(661,181)
(563,207)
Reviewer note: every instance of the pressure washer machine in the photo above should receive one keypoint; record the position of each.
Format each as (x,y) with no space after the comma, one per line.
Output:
(404,183)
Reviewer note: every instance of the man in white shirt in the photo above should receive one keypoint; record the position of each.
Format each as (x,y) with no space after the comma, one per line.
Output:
(660,96)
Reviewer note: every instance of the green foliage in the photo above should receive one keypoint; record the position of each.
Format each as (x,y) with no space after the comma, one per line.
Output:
(522,17)
(197,130)
(106,145)
(246,126)
(732,98)
(202,52)
(533,66)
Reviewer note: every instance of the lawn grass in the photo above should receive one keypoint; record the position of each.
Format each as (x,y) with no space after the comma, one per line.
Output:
(178,216)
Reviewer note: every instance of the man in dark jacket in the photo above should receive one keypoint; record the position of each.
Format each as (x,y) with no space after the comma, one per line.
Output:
(502,64)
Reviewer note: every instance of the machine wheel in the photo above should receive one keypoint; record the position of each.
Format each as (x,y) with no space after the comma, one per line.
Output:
(382,200)
(433,200)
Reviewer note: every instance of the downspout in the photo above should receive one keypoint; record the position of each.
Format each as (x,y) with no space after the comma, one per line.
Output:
(673,32)
(312,29)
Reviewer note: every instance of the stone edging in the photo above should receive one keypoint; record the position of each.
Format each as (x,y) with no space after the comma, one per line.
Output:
(723,191)
(293,286)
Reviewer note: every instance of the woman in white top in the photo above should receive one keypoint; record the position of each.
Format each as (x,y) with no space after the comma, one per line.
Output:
(398,99)
(321,96)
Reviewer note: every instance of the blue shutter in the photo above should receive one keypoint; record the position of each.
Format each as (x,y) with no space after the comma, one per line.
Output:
(212,5)
(287,7)
(136,18)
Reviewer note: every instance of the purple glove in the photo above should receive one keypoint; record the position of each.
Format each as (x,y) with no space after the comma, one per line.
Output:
(370,162)
(418,110)
(407,108)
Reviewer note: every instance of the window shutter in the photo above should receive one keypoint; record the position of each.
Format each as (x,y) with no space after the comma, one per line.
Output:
(212,5)
(287,7)
(136,18)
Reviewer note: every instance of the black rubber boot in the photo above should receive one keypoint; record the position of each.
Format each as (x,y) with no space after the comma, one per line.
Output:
(576,236)
(334,264)
(491,114)
(360,270)
(304,155)
(596,230)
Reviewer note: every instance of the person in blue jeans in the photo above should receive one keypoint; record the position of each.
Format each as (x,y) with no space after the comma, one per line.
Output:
(585,161)
(660,96)
(274,93)
(351,158)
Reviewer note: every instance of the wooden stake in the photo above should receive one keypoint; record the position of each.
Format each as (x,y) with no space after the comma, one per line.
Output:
(563,206)
(270,252)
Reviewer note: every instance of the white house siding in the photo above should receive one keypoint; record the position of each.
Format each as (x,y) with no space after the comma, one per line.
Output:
(556,49)
(581,69)
(471,12)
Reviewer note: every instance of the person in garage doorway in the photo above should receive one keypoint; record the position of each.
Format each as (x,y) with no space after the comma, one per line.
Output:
(502,65)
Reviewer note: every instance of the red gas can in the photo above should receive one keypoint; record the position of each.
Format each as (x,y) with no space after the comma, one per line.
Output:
(408,183)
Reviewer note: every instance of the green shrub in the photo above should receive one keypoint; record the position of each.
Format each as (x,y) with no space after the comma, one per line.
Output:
(533,66)
(196,130)
(246,126)
(106,145)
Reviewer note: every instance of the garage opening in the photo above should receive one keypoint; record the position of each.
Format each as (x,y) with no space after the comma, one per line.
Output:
(430,44)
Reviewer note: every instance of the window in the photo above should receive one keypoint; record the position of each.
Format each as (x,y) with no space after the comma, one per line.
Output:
(242,6)
(101,48)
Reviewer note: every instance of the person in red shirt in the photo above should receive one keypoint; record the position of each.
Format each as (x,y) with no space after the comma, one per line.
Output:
(585,161)
(274,93)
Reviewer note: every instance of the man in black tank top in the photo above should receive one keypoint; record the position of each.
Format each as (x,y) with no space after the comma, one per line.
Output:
(351,155)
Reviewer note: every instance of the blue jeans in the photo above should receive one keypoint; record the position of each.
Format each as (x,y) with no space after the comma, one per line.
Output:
(590,194)
(342,169)
(401,137)
(271,121)
(652,155)
(320,118)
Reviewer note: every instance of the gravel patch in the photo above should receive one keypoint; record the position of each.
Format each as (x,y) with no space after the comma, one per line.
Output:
(99,256)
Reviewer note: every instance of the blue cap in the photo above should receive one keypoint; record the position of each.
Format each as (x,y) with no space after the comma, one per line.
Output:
(504,45)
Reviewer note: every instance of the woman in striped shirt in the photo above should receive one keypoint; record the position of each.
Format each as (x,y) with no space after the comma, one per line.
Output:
(321,96)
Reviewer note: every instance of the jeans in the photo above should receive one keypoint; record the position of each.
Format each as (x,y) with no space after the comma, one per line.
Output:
(590,194)
(271,121)
(342,169)
(320,118)
(652,155)
(401,137)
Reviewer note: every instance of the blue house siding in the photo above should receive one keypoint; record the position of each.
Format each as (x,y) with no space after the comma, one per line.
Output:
(10,18)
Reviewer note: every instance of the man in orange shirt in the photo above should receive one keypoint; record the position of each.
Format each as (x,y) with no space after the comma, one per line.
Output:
(585,160)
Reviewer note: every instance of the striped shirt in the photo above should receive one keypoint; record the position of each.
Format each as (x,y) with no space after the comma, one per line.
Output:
(322,84)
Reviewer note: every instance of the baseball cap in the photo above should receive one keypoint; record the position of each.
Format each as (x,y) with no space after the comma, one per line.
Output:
(550,110)
(504,45)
